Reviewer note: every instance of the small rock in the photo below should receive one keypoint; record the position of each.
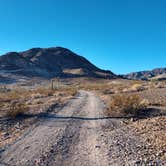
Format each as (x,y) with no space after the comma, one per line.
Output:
(137,162)
(52,151)
(132,119)
(27,147)
(6,134)
(97,146)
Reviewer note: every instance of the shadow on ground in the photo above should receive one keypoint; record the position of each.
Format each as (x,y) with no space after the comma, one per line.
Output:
(148,113)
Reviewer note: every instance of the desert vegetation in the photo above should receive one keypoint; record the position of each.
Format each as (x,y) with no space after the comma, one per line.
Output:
(126,105)
(21,107)
(140,106)
(16,109)
(17,101)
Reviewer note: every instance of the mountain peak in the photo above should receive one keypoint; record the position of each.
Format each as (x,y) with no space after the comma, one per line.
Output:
(49,63)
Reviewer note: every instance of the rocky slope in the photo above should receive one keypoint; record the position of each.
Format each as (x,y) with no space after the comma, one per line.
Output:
(146,75)
(47,63)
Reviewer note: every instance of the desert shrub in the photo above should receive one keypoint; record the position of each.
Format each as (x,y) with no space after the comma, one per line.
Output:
(71,91)
(44,92)
(108,91)
(16,109)
(13,95)
(1,104)
(36,95)
(137,87)
(160,85)
(134,88)
(126,105)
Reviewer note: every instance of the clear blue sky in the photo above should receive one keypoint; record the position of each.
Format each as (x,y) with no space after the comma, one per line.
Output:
(119,35)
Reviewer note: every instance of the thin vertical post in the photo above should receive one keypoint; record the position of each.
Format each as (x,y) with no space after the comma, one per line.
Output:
(52,84)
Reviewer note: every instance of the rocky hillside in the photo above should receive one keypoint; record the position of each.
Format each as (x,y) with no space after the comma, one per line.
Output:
(48,63)
(158,73)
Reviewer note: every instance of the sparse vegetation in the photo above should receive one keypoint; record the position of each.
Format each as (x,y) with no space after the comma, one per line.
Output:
(26,101)
(126,105)
(125,98)
(16,109)
(137,87)
(16,101)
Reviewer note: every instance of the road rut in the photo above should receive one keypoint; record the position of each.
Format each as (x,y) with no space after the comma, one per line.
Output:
(79,135)
(69,137)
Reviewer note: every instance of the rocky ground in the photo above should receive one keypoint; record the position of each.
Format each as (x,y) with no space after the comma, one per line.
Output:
(38,101)
(80,133)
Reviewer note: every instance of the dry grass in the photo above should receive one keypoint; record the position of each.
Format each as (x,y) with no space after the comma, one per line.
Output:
(72,91)
(10,104)
(17,101)
(31,102)
(44,91)
(126,105)
(16,109)
(135,88)
(12,95)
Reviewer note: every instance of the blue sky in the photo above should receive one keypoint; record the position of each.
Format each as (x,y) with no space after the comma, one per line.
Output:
(119,35)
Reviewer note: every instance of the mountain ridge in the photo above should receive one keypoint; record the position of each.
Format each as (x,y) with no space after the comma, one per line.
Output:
(146,74)
(49,63)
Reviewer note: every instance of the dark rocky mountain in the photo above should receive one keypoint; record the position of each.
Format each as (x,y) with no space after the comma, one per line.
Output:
(146,75)
(48,63)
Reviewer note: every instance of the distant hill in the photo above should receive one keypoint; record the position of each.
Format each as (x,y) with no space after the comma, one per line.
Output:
(48,63)
(158,73)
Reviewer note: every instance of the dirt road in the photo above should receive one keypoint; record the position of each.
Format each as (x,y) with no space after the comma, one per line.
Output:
(77,135)
(69,137)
